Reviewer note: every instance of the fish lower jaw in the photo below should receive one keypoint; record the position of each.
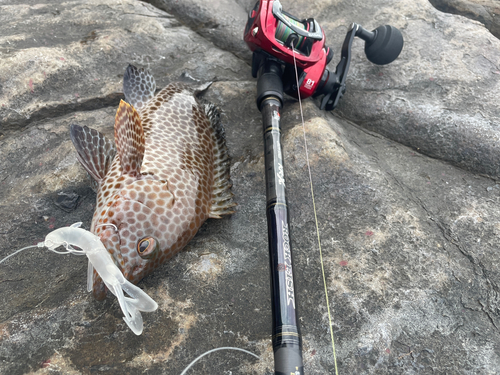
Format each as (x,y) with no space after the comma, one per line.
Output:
(99,290)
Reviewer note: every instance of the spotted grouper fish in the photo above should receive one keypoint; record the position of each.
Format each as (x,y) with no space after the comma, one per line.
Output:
(168,174)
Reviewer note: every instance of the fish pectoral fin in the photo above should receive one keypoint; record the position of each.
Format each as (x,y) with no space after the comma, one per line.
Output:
(139,86)
(222,197)
(129,139)
(94,151)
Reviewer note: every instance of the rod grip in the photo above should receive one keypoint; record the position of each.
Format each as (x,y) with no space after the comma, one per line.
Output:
(288,360)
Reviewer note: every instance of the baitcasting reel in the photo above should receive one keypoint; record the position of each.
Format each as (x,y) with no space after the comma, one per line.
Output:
(271,33)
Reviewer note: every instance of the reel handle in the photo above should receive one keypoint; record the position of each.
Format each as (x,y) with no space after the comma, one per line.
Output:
(383,46)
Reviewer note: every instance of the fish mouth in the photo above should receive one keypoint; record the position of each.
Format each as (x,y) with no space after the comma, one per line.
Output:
(114,250)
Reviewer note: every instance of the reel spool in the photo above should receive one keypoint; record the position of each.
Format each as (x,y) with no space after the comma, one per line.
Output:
(288,37)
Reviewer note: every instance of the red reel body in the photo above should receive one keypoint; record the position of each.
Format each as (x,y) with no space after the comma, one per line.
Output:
(260,34)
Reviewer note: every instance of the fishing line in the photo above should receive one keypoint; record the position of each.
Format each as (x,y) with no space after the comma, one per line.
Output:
(69,250)
(214,350)
(18,251)
(314,209)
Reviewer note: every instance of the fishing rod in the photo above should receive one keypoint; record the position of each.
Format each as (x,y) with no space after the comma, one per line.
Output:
(290,56)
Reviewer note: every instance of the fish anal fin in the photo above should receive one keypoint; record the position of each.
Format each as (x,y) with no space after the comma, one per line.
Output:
(129,139)
(139,86)
(222,197)
(94,151)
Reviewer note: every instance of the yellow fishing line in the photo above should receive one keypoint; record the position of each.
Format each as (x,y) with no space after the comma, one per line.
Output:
(315,215)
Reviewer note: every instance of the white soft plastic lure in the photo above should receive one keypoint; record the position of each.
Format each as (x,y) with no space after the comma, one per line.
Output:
(100,261)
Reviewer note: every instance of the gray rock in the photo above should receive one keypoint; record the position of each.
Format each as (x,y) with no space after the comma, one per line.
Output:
(70,56)
(409,242)
(220,22)
(484,11)
(439,97)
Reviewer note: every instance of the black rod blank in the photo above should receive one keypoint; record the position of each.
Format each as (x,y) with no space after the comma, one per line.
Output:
(286,338)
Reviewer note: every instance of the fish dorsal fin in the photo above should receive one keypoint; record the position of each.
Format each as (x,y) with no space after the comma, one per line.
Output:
(94,151)
(138,86)
(222,197)
(129,139)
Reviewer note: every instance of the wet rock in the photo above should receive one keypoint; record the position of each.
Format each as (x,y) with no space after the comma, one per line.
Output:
(409,242)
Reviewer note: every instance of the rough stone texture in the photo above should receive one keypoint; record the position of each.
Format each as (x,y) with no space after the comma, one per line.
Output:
(484,11)
(410,243)
(67,56)
(218,21)
(439,96)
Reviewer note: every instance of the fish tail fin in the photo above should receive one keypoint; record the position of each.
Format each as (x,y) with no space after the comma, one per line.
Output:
(94,151)
(129,139)
(222,197)
(139,86)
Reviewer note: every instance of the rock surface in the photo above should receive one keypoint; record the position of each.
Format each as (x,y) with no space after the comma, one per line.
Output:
(68,56)
(439,96)
(410,242)
(218,21)
(484,11)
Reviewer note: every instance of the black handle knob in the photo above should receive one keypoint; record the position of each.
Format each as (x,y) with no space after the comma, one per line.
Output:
(383,45)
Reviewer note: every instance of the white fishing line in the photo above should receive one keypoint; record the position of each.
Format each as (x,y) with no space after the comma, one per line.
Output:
(214,350)
(18,251)
(69,250)
(314,209)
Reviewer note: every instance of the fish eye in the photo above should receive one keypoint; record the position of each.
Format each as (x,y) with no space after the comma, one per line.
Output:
(147,247)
